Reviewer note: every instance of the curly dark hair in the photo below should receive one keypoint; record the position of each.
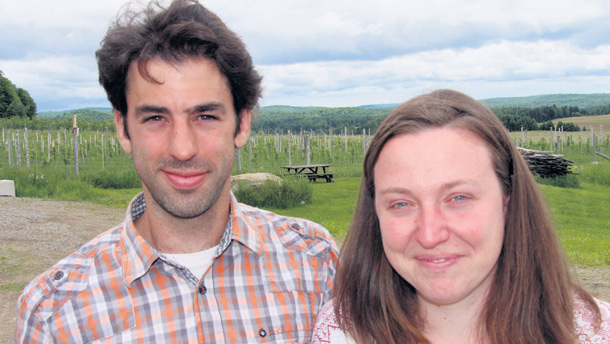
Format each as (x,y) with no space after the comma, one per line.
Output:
(182,31)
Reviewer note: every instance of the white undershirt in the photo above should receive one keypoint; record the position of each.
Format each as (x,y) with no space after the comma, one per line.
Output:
(197,262)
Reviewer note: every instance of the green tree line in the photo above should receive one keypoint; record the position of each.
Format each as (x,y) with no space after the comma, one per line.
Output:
(15,101)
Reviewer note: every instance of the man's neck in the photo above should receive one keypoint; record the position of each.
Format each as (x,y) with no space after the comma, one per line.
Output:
(169,234)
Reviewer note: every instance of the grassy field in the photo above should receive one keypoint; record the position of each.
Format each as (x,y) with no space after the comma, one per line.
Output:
(588,121)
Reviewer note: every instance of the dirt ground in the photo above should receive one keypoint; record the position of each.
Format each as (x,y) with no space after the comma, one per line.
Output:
(35,234)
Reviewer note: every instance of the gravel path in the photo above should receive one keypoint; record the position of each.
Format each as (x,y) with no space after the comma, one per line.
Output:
(35,234)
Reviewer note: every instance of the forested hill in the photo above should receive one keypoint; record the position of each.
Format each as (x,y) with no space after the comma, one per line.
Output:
(535,112)
(284,118)
(559,100)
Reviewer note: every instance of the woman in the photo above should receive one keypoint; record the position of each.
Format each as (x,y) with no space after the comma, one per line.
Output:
(451,241)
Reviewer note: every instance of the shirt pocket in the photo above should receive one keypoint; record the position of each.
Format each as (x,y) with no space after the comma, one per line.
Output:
(296,285)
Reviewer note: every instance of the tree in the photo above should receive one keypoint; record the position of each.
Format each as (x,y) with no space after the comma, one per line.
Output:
(15,101)
(28,102)
(8,95)
(15,109)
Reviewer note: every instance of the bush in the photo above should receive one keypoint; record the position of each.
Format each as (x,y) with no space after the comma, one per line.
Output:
(567,181)
(596,174)
(113,179)
(289,194)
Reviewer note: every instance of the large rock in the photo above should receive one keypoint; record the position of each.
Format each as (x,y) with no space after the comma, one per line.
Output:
(7,188)
(252,179)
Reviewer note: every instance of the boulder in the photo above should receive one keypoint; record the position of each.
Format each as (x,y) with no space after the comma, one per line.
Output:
(252,179)
(7,188)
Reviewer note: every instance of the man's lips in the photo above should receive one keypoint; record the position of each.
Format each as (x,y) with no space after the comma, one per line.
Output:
(185,180)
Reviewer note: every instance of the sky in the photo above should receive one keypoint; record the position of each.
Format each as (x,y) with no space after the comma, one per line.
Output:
(340,52)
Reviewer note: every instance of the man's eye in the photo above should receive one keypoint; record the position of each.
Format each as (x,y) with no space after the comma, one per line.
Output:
(460,198)
(206,117)
(153,118)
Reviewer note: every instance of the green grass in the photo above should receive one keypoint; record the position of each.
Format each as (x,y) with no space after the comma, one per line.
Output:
(582,221)
(332,205)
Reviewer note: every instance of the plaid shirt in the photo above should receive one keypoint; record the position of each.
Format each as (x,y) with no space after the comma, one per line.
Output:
(270,276)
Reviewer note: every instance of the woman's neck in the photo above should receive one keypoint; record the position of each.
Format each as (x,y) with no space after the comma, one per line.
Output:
(454,324)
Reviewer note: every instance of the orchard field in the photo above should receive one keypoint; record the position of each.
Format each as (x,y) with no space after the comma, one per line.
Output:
(42,164)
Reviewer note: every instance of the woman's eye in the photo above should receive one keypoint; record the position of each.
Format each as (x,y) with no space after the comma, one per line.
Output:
(400,204)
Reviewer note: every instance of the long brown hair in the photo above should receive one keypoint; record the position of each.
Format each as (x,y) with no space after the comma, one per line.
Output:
(530,300)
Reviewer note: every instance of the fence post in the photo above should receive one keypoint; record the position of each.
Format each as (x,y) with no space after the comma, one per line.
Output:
(330,143)
(250,151)
(75,143)
(601,136)
(17,148)
(594,148)
(364,143)
(8,148)
(49,145)
(289,148)
(26,144)
(307,150)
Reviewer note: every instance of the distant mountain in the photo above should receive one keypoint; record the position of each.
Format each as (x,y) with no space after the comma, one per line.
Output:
(283,112)
(580,100)
(287,108)
(378,106)
(53,114)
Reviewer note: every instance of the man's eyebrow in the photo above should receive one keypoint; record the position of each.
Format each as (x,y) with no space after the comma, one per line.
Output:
(147,109)
(207,107)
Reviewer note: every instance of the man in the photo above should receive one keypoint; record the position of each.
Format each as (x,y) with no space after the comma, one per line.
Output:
(189,264)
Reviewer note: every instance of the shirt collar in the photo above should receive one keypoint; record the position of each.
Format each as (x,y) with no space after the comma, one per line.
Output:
(242,228)
(137,256)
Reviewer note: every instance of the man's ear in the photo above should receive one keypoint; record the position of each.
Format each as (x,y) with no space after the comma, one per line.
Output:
(241,137)
(119,123)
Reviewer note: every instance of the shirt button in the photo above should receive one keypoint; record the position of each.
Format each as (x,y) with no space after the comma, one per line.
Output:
(262,333)
(202,290)
(296,226)
(58,275)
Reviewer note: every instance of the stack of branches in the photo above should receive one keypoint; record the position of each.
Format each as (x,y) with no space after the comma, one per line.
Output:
(546,164)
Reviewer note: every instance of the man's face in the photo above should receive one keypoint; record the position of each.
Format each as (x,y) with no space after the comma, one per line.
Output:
(182,134)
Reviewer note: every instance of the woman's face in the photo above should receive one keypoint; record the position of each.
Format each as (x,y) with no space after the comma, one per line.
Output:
(441,212)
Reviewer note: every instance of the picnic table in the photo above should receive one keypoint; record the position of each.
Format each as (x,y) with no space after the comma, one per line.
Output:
(312,172)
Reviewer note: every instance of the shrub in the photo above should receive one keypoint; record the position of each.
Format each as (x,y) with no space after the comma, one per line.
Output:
(596,174)
(289,194)
(113,179)
(567,181)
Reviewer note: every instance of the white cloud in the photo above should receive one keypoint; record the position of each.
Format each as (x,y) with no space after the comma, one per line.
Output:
(340,52)
(504,63)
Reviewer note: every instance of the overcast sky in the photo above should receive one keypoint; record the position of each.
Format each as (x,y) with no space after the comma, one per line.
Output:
(338,52)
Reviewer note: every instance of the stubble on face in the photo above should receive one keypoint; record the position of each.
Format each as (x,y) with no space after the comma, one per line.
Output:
(185,204)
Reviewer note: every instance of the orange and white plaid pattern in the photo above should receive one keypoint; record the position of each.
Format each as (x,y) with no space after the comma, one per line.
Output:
(270,276)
